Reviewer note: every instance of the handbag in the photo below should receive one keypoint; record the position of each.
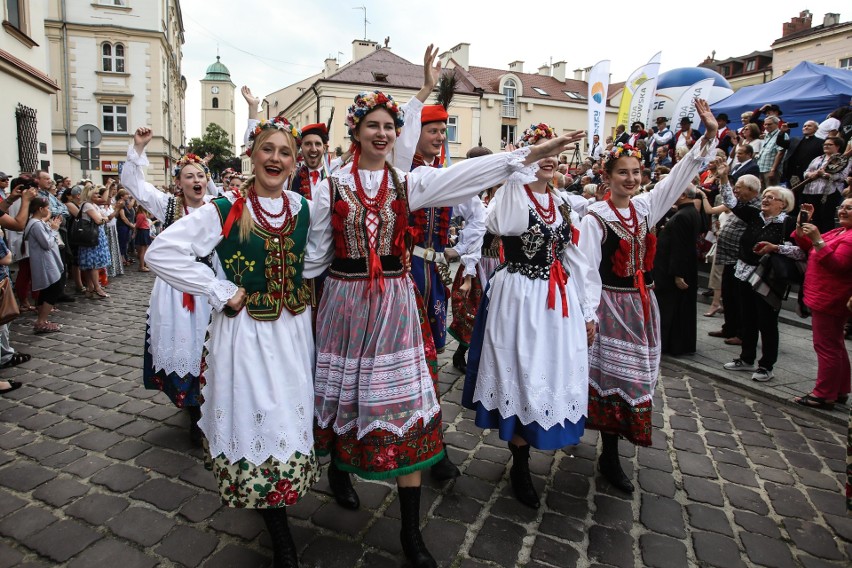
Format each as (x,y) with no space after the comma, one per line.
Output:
(9,309)
(84,232)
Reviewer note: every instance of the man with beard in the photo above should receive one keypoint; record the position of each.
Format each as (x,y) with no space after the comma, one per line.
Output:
(314,142)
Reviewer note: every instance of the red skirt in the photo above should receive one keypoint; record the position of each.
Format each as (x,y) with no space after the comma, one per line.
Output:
(464,309)
(614,415)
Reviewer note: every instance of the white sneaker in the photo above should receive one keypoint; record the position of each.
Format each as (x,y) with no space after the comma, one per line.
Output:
(739,365)
(762,375)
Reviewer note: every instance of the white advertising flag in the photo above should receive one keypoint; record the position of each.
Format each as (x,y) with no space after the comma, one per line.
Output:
(598,89)
(685,106)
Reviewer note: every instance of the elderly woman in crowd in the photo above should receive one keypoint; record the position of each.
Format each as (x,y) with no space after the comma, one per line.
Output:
(768,230)
(824,188)
(827,287)
(45,262)
(92,259)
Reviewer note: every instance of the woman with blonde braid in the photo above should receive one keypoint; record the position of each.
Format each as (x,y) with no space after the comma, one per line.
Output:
(177,323)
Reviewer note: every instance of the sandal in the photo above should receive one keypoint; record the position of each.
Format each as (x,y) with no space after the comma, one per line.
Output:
(101,294)
(16,360)
(28,309)
(48,327)
(842,399)
(13,385)
(812,401)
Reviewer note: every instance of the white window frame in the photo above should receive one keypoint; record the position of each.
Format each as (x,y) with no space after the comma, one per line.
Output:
(112,59)
(845,63)
(751,65)
(453,128)
(541,91)
(116,116)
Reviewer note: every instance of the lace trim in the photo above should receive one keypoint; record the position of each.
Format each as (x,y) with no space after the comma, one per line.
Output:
(175,354)
(622,394)
(219,292)
(398,431)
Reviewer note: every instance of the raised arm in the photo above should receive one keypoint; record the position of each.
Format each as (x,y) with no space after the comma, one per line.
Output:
(133,178)
(406,144)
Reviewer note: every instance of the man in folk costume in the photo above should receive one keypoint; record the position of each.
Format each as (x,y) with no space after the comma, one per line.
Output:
(430,228)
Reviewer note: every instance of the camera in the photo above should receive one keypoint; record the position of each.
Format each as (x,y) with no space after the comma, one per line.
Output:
(792,125)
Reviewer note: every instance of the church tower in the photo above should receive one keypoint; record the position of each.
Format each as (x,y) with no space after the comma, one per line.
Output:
(217,100)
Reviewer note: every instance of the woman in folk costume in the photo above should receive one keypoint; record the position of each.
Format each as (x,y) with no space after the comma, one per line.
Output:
(616,237)
(376,404)
(256,418)
(177,323)
(527,376)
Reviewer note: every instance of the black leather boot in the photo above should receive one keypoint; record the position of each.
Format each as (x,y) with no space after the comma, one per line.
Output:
(341,487)
(445,470)
(195,434)
(522,483)
(283,547)
(609,464)
(458,359)
(410,537)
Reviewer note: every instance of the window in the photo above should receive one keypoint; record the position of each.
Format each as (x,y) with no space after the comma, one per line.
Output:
(15,13)
(540,91)
(507,134)
(846,63)
(453,128)
(27,126)
(215,102)
(122,3)
(751,64)
(509,90)
(573,94)
(115,118)
(113,57)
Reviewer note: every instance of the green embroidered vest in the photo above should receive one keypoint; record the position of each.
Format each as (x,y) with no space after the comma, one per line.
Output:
(268,266)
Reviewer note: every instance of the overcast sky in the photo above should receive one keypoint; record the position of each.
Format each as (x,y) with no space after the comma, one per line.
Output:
(268,44)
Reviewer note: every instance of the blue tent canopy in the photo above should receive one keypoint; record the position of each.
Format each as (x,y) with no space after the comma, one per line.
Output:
(806,92)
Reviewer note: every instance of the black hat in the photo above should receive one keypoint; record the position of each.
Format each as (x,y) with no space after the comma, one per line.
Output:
(685,120)
(723,116)
(662,119)
(775,108)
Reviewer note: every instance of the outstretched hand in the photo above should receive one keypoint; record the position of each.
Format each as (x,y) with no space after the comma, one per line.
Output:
(702,107)
(554,146)
(141,137)
(431,72)
(252,100)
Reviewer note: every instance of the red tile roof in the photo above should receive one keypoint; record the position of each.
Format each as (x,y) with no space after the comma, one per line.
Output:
(489,78)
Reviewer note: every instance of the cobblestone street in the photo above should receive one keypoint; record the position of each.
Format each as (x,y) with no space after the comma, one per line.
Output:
(96,471)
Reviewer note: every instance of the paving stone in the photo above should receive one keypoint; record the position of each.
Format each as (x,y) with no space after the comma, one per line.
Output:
(567,505)
(61,491)
(187,545)
(498,541)
(42,399)
(9,556)
(662,515)
(697,465)
(200,477)
(775,475)
(826,502)
(733,457)
(203,505)
(742,498)
(738,475)
(86,466)
(802,460)
(66,429)
(718,440)
(709,518)
(610,546)
(613,513)
(818,480)
(168,463)
(755,439)
(760,524)
(813,539)
(232,555)
(562,527)
(488,471)
(62,540)
(142,526)
(96,509)
(120,477)
(9,503)
(97,440)
(41,450)
(40,421)
(683,424)
(342,521)
(689,442)
(16,439)
(716,550)
(554,552)
(330,552)
(662,552)
(16,413)
(111,552)
(458,508)
(25,522)
(244,523)
(25,477)
(473,487)
(127,450)
(444,539)
(703,491)
(767,552)
(789,501)
(384,535)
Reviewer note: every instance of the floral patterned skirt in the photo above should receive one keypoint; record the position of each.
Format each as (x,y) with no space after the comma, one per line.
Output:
(464,308)
(270,485)
(614,415)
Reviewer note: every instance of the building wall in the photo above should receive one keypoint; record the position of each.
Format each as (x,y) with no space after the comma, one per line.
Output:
(21,87)
(150,86)
(824,48)
(223,115)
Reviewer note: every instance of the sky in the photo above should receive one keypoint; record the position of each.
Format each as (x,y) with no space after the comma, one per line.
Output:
(269,44)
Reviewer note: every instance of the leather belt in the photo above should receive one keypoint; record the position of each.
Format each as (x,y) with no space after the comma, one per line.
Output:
(429,255)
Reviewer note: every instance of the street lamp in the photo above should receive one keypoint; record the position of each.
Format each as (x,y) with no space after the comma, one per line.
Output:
(181,150)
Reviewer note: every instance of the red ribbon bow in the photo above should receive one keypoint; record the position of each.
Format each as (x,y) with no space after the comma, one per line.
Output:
(314,177)
(188,302)
(233,216)
(559,278)
(639,282)
(374,271)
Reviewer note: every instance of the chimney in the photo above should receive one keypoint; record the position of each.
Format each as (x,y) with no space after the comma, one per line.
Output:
(559,70)
(795,25)
(578,74)
(330,67)
(362,48)
(516,66)
(460,54)
(831,19)
(544,70)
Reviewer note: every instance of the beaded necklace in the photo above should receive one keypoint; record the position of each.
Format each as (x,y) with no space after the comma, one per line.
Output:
(548,215)
(263,215)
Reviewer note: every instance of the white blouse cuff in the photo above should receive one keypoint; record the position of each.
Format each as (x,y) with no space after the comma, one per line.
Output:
(469,264)
(134,158)
(219,292)
(590,314)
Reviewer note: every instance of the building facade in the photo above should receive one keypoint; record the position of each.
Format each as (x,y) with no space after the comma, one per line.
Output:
(118,64)
(28,89)
(826,44)
(217,100)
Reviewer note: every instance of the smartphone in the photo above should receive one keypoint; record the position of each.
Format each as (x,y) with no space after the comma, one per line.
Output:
(803,218)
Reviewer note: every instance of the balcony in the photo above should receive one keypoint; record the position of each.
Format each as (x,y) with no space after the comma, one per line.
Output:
(510,111)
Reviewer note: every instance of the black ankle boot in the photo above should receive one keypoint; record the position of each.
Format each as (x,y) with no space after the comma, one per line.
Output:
(445,470)
(283,547)
(609,464)
(341,488)
(458,359)
(522,483)
(410,537)
(195,434)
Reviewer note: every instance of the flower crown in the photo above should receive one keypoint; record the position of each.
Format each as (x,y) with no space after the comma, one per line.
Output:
(621,150)
(186,160)
(365,102)
(537,132)
(280,123)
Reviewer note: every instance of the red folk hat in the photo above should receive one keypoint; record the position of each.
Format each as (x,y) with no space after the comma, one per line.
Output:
(319,129)
(433,113)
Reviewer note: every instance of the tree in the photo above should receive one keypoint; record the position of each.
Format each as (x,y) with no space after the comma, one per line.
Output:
(217,142)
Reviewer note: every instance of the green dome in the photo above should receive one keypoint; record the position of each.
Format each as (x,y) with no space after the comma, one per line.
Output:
(217,72)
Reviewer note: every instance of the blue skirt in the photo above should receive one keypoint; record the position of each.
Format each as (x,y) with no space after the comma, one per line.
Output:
(434,294)
(557,437)
(182,391)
